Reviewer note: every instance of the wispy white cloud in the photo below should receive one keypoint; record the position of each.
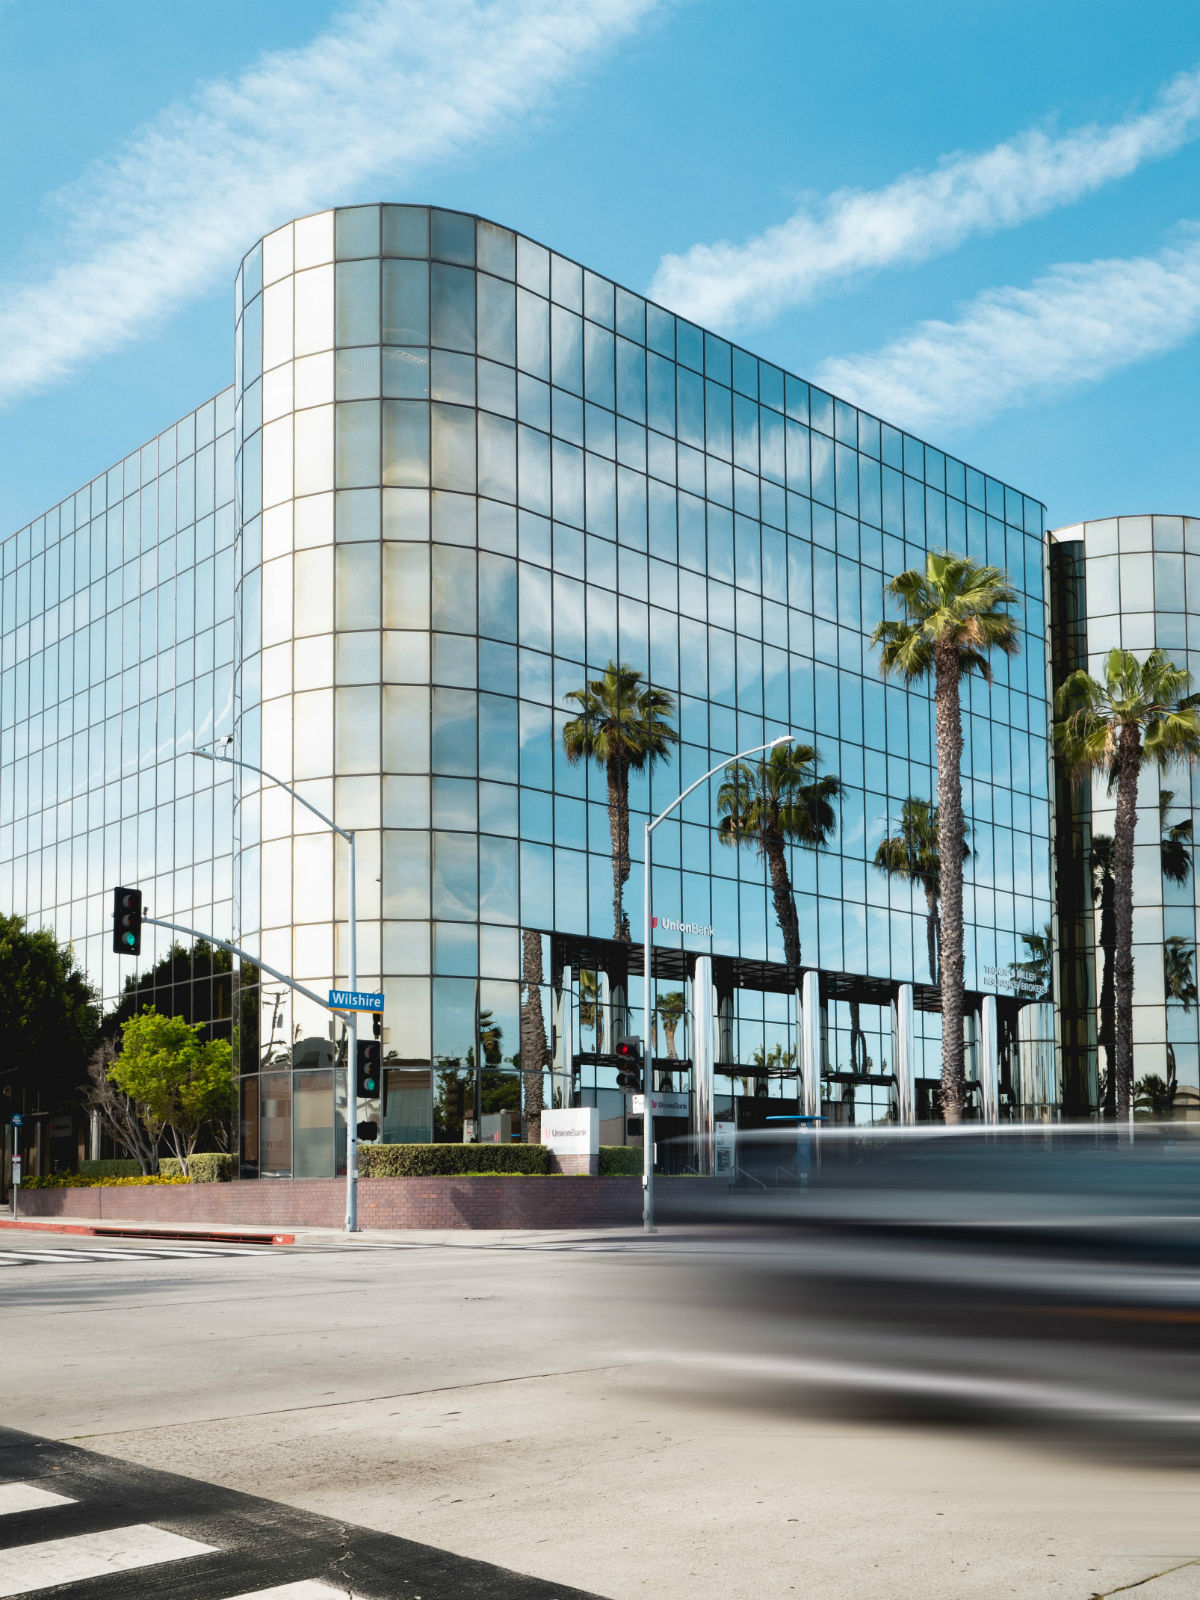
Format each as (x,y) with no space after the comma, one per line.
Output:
(388,90)
(1074,326)
(921,215)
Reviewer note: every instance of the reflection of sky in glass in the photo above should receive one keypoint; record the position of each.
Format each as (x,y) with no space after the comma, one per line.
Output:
(629,488)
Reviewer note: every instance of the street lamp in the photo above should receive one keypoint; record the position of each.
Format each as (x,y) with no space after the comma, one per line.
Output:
(352,1017)
(648,1074)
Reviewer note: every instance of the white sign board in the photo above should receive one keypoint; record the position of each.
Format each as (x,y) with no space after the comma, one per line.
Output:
(572,1133)
(663,1104)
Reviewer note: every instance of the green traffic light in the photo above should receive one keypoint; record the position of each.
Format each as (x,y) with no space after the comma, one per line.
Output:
(130,940)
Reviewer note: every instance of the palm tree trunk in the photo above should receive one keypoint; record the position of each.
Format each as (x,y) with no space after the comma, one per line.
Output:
(1108,1020)
(785,901)
(534,1053)
(932,933)
(1129,762)
(618,823)
(950,850)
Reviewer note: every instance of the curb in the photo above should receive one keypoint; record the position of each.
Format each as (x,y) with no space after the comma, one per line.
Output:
(133,1231)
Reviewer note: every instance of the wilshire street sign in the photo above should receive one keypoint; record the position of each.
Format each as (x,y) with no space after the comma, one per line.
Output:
(354,1000)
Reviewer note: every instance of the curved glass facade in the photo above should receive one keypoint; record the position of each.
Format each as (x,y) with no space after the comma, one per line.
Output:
(1136,582)
(470,474)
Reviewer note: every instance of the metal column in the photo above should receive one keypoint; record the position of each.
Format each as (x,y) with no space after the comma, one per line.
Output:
(989,1059)
(904,1049)
(810,1044)
(703,1062)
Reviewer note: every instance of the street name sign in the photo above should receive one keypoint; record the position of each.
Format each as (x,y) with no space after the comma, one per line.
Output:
(354,1000)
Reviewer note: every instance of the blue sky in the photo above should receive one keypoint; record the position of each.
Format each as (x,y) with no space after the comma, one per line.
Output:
(980,220)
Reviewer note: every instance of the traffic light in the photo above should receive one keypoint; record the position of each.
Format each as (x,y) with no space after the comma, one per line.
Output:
(127,922)
(367,1069)
(377,1024)
(629,1056)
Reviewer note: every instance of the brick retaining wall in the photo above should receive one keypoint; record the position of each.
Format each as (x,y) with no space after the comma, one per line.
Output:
(518,1202)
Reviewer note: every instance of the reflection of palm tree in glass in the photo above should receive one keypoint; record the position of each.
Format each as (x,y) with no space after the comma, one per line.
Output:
(670,1009)
(1179,970)
(1176,841)
(777,1060)
(912,853)
(1039,959)
(773,803)
(624,726)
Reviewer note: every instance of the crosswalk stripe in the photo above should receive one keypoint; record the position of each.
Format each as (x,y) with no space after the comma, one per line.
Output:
(306,1589)
(92,1555)
(28,1497)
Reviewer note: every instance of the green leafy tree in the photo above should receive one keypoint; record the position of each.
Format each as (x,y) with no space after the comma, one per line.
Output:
(955,614)
(179,1083)
(48,1017)
(771,804)
(1138,714)
(911,853)
(624,725)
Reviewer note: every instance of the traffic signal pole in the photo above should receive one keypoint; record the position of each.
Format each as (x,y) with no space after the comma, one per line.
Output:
(351,1017)
(352,1063)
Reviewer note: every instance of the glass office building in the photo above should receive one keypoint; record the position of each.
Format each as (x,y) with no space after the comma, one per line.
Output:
(1133,582)
(457,476)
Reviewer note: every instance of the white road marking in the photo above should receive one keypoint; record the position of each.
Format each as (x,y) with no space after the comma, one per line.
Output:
(306,1589)
(28,1497)
(91,1555)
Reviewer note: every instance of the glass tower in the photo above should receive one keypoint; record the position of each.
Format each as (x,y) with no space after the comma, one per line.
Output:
(1136,582)
(467,476)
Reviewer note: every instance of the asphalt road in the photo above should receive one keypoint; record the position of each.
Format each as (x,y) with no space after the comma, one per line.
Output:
(517,1407)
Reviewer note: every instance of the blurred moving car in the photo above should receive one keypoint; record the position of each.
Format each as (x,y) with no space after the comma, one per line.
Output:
(1048,1275)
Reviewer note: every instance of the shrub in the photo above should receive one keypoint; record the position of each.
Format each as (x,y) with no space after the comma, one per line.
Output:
(77,1180)
(452,1160)
(620,1160)
(122,1167)
(210,1167)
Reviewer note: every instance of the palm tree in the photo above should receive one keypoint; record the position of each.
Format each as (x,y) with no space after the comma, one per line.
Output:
(912,853)
(535,1056)
(1104,894)
(770,804)
(1140,714)
(624,726)
(956,613)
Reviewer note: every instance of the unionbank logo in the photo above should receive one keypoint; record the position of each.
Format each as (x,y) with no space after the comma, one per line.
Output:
(669,925)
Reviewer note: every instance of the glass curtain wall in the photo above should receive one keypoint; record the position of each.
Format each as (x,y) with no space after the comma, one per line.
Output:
(474,473)
(116,658)
(1141,577)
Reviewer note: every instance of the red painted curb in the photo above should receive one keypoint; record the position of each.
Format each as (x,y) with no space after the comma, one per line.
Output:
(115,1230)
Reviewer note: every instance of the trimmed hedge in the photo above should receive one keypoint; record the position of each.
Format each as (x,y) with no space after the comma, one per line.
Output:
(620,1161)
(121,1167)
(209,1167)
(452,1160)
(77,1180)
